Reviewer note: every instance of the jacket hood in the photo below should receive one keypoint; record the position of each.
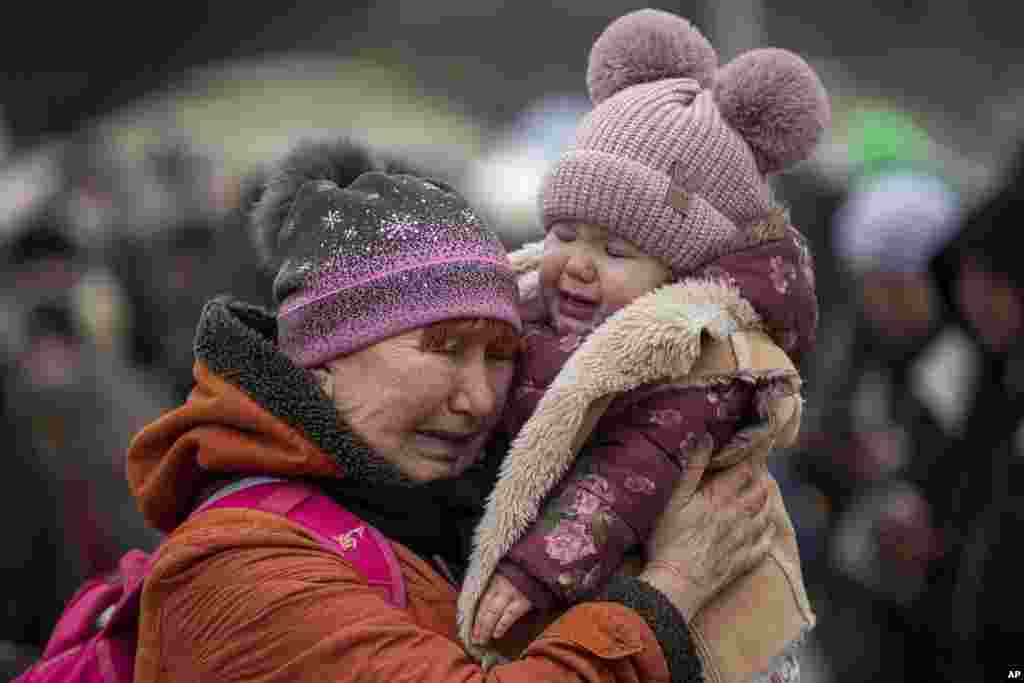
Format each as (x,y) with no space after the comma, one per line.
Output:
(773,273)
(776,275)
(251,410)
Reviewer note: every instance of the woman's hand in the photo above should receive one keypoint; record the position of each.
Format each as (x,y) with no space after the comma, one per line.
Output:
(711,534)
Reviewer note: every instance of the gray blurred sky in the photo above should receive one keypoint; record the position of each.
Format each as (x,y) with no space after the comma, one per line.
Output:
(961,61)
(945,54)
(957,62)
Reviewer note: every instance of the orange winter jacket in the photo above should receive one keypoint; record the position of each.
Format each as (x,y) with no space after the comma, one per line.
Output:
(243,595)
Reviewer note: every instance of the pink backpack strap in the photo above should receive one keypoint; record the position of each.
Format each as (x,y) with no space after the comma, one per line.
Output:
(337,529)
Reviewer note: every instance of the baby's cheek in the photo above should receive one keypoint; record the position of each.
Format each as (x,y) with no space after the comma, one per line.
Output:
(551,265)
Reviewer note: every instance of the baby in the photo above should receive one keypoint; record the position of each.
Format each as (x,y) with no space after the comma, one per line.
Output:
(669,282)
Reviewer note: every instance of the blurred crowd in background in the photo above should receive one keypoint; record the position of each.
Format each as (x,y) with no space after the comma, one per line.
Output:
(123,212)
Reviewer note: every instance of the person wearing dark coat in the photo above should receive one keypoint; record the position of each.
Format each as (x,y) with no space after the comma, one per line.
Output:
(974,486)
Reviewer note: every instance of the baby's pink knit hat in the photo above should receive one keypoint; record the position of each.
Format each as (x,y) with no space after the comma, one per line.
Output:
(674,156)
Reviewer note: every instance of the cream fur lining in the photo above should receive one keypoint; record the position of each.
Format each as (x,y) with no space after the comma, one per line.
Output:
(527,258)
(656,338)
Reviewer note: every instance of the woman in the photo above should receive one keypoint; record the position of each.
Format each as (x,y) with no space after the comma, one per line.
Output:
(380,379)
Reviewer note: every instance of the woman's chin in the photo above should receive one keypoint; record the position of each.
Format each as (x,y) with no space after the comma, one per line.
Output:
(424,458)
(426,470)
(429,465)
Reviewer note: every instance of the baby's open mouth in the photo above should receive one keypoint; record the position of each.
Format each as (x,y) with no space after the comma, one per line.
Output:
(576,306)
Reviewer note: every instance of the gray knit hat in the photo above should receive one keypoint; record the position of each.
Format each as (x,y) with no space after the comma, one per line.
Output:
(379,255)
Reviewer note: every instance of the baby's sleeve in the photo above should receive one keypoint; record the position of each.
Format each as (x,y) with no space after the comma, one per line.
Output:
(544,355)
(621,482)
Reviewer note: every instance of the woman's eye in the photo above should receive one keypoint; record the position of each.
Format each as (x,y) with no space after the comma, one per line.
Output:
(501,356)
(450,346)
(617,250)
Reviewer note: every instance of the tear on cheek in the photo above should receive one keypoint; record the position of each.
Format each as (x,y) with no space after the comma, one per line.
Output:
(502,385)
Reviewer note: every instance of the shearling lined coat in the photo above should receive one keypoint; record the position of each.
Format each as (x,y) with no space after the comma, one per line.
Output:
(242,595)
(693,364)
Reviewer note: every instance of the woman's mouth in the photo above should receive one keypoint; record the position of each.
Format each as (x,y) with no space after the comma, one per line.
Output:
(450,442)
(454,450)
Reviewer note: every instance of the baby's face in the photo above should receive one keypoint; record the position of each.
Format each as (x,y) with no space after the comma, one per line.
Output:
(587,274)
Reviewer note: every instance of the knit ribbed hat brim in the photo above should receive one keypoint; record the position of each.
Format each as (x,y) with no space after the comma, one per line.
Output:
(638,203)
(313,330)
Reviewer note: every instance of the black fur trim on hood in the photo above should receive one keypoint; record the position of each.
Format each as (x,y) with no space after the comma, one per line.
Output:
(236,341)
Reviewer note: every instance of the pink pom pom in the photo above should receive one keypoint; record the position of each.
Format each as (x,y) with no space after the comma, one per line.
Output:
(777,103)
(647,45)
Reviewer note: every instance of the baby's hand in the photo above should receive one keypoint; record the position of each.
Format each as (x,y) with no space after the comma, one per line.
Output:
(501,606)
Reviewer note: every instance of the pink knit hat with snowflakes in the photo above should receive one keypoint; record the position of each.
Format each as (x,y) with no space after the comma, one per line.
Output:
(380,256)
(675,153)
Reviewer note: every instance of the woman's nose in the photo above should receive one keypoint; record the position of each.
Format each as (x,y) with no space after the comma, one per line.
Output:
(474,394)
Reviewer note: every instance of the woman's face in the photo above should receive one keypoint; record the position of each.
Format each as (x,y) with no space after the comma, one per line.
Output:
(426,401)
(587,274)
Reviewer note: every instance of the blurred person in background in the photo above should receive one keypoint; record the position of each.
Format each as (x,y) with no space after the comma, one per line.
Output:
(40,566)
(812,199)
(191,251)
(877,431)
(975,487)
(69,402)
